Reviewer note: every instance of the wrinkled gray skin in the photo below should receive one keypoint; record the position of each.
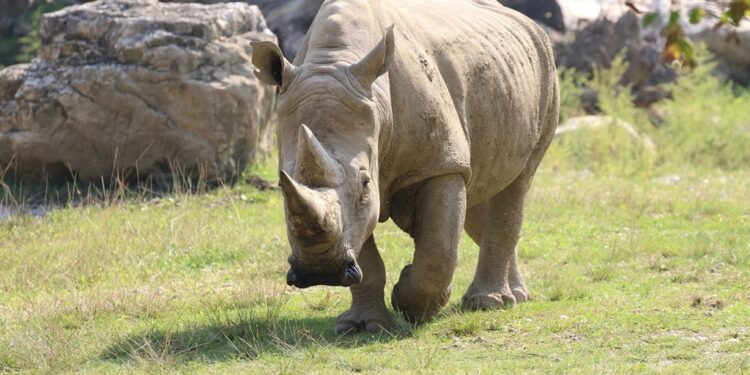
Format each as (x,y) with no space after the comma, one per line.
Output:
(438,124)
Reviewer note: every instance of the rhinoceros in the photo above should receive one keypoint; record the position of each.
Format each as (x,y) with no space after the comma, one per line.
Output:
(434,114)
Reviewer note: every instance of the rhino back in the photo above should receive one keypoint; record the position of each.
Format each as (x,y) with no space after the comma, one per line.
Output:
(474,89)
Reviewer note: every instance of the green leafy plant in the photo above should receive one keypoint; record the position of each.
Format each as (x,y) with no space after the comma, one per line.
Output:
(571,88)
(703,126)
(706,121)
(8,48)
(678,48)
(609,143)
(30,43)
(23,49)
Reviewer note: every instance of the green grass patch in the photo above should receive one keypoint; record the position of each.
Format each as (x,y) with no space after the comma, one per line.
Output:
(195,283)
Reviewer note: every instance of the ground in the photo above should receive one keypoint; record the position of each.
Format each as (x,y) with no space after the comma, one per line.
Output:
(637,259)
(626,275)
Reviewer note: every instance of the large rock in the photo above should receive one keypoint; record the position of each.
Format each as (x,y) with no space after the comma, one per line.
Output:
(596,19)
(731,48)
(730,45)
(598,43)
(576,124)
(137,87)
(579,13)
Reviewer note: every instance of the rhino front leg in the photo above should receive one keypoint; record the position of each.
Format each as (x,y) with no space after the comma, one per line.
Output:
(368,311)
(424,286)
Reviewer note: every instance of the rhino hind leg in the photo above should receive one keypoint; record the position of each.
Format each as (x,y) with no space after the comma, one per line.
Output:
(368,312)
(495,225)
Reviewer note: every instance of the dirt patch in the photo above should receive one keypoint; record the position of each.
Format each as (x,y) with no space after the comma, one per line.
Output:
(713,303)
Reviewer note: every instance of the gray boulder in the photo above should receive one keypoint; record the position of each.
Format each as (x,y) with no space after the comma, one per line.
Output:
(137,88)
(730,45)
(598,43)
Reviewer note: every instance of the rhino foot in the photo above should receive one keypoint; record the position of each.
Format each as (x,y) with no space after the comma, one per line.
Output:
(416,305)
(520,293)
(373,320)
(488,301)
(484,294)
(517,285)
(477,298)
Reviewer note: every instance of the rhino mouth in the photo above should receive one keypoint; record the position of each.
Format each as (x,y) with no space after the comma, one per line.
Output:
(348,276)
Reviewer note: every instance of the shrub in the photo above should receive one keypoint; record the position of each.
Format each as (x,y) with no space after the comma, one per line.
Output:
(706,123)
(609,148)
(571,88)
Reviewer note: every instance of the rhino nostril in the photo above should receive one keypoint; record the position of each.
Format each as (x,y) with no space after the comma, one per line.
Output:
(291,278)
(353,273)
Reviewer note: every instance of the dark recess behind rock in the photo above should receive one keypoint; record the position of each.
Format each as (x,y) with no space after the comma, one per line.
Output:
(547,12)
(11,11)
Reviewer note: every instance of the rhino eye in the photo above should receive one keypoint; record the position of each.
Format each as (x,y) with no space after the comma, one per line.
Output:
(364,194)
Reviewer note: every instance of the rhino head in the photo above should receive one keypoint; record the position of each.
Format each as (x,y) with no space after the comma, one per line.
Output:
(330,115)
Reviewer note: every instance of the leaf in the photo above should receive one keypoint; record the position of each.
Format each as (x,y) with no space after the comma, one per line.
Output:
(696,15)
(650,18)
(688,53)
(677,47)
(674,18)
(670,53)
(736,11)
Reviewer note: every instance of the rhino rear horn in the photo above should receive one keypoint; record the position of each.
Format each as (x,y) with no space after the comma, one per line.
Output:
(377,61)
(314,165)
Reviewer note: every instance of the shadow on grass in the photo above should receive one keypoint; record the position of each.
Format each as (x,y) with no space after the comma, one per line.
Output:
(39,198)
(240,337)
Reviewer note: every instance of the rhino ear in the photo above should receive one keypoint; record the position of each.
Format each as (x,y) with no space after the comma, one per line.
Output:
(377,61)
(271,66)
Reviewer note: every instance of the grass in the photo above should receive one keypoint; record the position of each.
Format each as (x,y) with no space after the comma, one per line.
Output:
(636,264)
(196,283)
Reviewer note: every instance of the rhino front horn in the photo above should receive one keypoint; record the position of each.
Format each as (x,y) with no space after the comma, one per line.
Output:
(314,165)
(313,219)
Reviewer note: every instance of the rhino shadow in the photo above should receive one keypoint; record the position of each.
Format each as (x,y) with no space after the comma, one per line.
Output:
(239,338)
